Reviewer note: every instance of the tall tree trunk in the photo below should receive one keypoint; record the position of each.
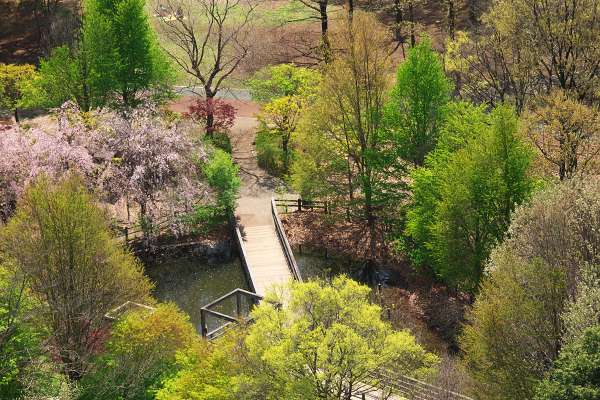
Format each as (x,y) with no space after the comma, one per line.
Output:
(325,30)
(411,17)
(451,19)
(473,12)
(350,10)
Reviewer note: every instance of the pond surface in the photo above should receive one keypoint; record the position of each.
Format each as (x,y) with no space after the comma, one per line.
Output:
(314,265)
(191,283)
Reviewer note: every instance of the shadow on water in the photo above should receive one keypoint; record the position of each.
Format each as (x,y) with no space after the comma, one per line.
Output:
(191,282)
(315,264)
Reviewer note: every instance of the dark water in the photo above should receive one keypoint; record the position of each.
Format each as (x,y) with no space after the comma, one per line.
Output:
(315,265)
(191,283)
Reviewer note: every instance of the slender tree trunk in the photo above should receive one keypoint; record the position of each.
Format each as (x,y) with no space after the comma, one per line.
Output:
(451,19)
(350,10)
(325,30)
(398,19)
(286,155)
(17,115)
(411,17)
(210,116)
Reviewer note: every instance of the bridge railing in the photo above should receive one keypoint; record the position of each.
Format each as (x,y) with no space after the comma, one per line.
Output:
(209,310)
(285,245)
(243,256)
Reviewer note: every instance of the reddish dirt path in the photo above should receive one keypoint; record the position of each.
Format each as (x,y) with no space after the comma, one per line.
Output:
(242,108)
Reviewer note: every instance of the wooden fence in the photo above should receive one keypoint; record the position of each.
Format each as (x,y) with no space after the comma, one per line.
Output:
(301,204)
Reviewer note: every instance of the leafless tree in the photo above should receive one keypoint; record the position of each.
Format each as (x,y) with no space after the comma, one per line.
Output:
(208,39)
(321,7)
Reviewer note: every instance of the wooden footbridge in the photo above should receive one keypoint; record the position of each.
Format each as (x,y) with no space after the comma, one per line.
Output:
(267,258)
(266,254)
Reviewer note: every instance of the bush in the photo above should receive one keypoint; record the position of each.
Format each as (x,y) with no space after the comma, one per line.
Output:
(141,353)
(222,176)
(269,152)
(208,372)
(221,141)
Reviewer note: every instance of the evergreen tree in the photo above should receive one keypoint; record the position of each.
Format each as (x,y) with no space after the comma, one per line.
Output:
(117,61)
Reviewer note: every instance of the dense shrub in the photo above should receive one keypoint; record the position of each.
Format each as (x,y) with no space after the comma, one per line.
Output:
(269,152)
(141,352)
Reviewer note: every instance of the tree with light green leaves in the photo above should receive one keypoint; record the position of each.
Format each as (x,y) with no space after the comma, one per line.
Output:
(415,111)
(12,79)
(141,352)
(316,340)
(285,92)
(283,80)
(576,373)
(465,194)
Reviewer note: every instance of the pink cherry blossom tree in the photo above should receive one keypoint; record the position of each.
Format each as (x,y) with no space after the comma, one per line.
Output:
(26,154)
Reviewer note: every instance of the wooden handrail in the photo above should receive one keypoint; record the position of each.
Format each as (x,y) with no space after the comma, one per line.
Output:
(285,245)
(207,310)
(244,257)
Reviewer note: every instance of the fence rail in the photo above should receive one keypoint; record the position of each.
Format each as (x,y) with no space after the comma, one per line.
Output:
(301,204)
(285,245)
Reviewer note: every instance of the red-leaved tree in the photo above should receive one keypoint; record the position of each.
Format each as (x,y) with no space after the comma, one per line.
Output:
(215,114)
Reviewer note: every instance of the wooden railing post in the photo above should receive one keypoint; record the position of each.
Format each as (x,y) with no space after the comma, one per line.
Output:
(203,325)
(299,204)
(238,305)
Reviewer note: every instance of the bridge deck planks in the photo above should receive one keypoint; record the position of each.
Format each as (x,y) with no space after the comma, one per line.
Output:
(265,257)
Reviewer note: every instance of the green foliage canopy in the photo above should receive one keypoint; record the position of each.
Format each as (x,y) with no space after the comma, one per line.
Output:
(141,352)
(283,80)
(415,110)
(328,342)
(576,373)
(465,194)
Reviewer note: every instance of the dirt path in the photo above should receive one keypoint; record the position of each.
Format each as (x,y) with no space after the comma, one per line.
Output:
(257,185)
